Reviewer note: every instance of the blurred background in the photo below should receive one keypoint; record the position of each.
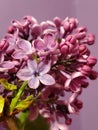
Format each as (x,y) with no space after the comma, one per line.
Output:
(86,12)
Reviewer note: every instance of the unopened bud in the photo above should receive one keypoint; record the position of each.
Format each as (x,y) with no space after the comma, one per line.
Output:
(64,49)
(86,70)
(66,24)
(93,75)
(36,29)
(81,29)
(68,121)
(82,49)
(90,39)
(57,21)
(79,104)
(91,60)
(3,44)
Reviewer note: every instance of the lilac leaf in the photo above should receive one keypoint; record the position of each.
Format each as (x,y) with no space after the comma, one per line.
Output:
(2,101)
(7,85)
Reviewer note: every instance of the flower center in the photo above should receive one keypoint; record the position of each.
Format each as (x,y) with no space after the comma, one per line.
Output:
(36,74)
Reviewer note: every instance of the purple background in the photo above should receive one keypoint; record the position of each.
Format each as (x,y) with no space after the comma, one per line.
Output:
(86,12)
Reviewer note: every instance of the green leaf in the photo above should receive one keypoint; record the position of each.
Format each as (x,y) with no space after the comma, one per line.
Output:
(22,119)
(23,116)
(38,124)
(1,105)
(17,97)
(24,104)
(7,85)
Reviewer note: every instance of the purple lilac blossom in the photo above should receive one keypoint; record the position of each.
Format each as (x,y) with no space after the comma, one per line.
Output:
(53,56)
(36,73)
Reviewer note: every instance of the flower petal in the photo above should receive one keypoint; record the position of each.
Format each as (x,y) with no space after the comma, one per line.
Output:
(43,68)
(39,44)
(72,108)
(46,79)
(32,65)
(48,38)
(75,86)
(19,54)
(33,82)
(67,84)
(76,75)
(45,113)
(65,74)
(3,69)
(25,46)
(6,65)
(1,57)
(12,42)
(73,97)
(24,74)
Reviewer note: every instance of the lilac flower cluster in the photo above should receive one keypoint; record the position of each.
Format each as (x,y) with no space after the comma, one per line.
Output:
(54,58)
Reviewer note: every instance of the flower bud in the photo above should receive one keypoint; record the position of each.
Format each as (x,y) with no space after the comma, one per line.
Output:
(84,83)
(71,39)
(73,23)
(81,33)
(81,29)
(3,44)
(35,30)
(43,25)
(79,104)
(83,49)
(86,70)
(93,75)
(57,21)
(17,24)
(68,121)
(66,24)
(90,39)
(11,29)
(64,49)
(91,60)
(30,19)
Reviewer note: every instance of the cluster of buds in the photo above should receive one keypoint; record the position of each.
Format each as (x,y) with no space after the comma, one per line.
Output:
(44,67)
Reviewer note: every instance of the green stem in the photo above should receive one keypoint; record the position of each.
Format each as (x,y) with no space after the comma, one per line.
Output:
(17,97)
